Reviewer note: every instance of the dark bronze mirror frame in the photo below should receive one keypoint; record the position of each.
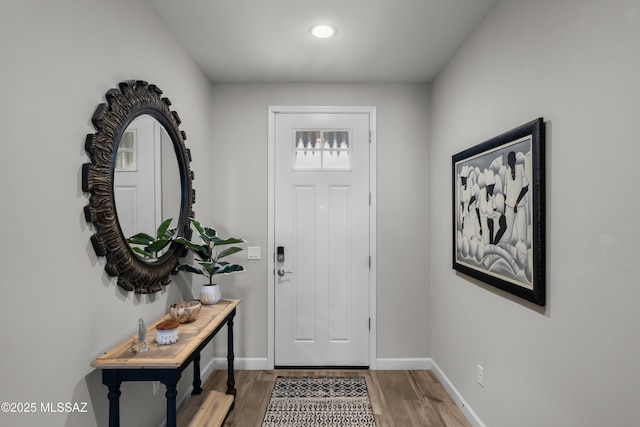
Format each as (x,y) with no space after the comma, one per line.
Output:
(131,99)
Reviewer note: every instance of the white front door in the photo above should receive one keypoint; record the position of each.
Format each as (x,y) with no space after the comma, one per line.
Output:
(321,235)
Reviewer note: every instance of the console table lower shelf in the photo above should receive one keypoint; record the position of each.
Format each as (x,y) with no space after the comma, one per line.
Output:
(167,362)
(207,409)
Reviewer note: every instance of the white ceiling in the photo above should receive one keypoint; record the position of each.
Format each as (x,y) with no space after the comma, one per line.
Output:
(269,40)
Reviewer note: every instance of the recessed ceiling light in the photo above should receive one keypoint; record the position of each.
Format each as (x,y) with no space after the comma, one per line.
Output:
(323,31)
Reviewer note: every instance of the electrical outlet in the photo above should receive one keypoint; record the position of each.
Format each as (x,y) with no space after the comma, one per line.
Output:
(480,375)
(156,386)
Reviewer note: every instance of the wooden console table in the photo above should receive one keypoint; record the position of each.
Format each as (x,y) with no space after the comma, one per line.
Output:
(167,362)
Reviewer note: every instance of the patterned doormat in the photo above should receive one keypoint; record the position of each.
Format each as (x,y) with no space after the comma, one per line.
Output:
(326,402)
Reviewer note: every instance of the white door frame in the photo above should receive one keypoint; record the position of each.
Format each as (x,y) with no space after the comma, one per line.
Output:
(272,111)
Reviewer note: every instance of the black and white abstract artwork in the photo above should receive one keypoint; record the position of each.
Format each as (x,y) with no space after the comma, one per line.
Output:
(498,211)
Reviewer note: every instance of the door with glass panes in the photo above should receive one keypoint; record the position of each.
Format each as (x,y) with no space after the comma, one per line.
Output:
(322,212)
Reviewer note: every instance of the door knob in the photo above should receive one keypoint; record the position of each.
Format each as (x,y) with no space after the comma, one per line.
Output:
(282,272)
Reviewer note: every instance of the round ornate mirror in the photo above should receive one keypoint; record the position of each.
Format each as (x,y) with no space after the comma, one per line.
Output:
(138,178)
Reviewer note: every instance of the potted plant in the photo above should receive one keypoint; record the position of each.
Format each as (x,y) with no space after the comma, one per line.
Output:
(152,248)
(208,256)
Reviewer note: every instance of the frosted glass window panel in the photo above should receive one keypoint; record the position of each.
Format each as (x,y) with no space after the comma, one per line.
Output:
(336,140)
(336,159)
(317,150)
(308,160)
(128,140)
(307,146)
(126,161)
(126,157)
(336,153)
(307,140)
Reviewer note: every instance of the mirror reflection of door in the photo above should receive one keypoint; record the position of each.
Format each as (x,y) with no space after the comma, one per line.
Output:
(146,178)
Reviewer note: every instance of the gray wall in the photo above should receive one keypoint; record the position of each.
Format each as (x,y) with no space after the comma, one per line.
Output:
(575,362)
(60,309)
(239,126)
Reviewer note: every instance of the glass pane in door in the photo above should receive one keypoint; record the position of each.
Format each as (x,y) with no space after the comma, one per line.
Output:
(322,150)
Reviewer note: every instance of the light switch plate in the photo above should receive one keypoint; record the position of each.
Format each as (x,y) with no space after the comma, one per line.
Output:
(253,252)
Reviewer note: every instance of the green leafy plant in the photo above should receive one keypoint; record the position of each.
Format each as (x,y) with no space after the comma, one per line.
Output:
(207,254)
(149,247)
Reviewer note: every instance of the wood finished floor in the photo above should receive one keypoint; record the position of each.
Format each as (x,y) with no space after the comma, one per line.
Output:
(398,398)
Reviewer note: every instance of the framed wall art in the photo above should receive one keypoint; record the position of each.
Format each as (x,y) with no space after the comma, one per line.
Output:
(498,212)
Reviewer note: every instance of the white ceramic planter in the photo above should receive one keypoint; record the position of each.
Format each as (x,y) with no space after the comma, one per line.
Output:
(210,294)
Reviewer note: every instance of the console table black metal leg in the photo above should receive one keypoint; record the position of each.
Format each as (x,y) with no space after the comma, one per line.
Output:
(197,382)
(171,394)
(231,382)
(112,381)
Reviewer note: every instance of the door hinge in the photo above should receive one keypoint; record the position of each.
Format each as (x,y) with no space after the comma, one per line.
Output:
(369,323)
(369,198)
(369,137)
(369,262)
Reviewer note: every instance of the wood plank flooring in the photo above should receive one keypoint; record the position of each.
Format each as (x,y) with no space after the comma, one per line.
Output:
(398,398)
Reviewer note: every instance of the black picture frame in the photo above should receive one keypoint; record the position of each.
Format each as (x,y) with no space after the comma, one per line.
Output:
(499,211)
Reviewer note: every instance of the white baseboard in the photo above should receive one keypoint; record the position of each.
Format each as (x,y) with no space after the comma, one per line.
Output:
(242,363)
(468,413)
(398,364)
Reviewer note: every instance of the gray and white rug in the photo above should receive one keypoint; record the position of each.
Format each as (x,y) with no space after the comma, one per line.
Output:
(326,402)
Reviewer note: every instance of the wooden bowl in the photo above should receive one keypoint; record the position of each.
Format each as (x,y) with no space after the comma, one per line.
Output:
(185,312)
